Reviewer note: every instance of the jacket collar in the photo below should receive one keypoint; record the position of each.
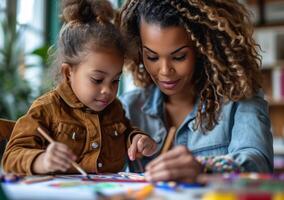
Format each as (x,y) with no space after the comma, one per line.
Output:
(154,103)
(66,93)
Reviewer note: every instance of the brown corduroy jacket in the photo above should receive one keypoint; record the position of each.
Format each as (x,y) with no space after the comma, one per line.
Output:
(99,140)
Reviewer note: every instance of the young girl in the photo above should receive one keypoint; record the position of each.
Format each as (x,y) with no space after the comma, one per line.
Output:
(82,114)
(199,70)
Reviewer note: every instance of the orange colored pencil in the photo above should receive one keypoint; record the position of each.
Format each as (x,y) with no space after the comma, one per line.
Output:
(169,140)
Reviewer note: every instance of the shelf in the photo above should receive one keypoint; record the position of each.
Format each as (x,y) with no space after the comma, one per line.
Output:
(278,145)
(277,64)
(276,103)
(277,26)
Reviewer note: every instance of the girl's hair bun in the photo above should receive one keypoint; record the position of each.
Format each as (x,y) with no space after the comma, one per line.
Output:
(87,11)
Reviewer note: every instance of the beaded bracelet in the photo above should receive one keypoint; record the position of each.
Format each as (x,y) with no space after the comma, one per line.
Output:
(219,164)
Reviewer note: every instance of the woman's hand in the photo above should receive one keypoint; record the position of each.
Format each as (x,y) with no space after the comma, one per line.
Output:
(177,164)
(141,145)
(57,157)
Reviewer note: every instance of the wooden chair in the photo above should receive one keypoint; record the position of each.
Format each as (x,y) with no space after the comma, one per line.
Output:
(6,128)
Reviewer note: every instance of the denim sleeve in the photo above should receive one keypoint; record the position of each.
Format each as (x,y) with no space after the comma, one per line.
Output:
(251,138)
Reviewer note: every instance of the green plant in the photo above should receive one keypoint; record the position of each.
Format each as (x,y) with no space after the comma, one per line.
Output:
(46,80)
(15,92)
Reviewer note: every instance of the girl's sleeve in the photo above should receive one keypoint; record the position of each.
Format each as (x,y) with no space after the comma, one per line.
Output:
(25,143)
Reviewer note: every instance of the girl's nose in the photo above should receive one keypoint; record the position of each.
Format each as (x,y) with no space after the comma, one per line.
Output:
(106,89)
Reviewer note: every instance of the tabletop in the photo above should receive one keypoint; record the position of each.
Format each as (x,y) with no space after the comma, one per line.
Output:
(107,186)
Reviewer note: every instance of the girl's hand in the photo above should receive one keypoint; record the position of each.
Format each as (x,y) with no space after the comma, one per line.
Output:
(57,157)
(141,145)
(177,164)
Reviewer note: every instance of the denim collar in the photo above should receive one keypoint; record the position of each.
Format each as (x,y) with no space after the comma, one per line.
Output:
(154,104)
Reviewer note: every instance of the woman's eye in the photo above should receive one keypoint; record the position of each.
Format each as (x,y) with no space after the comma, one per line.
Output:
(96,81)
(152,58)
(179,58)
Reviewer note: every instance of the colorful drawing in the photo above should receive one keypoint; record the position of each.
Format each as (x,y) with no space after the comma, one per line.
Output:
(86,185)
(119,177)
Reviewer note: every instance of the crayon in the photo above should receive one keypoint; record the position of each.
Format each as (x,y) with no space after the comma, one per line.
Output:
(37,179)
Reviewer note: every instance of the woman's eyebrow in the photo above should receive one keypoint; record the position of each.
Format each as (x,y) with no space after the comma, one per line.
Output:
(180,48)
(175,51)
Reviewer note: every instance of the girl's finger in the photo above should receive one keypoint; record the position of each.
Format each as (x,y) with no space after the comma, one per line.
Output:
(133,148)
(148,149)
(63,157)
(64,149)
(59,164)
(142,144)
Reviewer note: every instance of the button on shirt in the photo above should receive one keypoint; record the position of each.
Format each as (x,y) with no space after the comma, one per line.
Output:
(243,131)
(95,145)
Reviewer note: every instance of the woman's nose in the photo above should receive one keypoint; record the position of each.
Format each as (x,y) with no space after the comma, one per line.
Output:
(165,67)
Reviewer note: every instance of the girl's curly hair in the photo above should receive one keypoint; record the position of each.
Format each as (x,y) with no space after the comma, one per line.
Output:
(228,64)
(88,25)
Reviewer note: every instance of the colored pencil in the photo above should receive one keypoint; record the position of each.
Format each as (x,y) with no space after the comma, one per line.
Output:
(169,140)
(115,180)
(44,133)
(140,165)
(37,179)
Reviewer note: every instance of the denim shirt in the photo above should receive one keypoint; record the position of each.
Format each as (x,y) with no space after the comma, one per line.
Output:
(243,130)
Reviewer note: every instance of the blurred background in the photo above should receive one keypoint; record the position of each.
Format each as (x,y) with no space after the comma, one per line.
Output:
(29,27)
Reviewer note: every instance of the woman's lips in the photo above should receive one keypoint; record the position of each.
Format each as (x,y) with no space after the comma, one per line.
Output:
(169,84)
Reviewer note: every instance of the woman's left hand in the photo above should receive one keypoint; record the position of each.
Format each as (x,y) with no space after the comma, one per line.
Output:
(177,164)
(141,145)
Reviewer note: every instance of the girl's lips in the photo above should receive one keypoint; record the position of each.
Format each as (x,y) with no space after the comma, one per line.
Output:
(169,84)
(103,102)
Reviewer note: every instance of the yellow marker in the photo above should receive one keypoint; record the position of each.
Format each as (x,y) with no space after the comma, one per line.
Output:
(278,196)
(143,193)
(219,195)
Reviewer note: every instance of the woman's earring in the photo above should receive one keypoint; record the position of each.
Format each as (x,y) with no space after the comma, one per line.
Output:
(141,67)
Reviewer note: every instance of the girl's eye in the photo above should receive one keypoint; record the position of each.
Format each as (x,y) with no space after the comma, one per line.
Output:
(179,58)
(96,81)
(115,81)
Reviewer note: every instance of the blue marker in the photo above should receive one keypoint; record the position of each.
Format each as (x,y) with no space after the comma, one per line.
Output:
(9,178)
(169,186)
(190,185)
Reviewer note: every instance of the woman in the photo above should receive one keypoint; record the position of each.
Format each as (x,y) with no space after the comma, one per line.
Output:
(199,70)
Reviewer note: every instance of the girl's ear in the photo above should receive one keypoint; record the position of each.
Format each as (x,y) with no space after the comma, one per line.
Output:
(66,71)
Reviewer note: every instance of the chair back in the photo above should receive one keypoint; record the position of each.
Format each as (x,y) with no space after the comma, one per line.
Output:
(6,128)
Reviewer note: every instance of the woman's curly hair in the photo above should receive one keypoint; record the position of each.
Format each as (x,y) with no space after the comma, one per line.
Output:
(228,64)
